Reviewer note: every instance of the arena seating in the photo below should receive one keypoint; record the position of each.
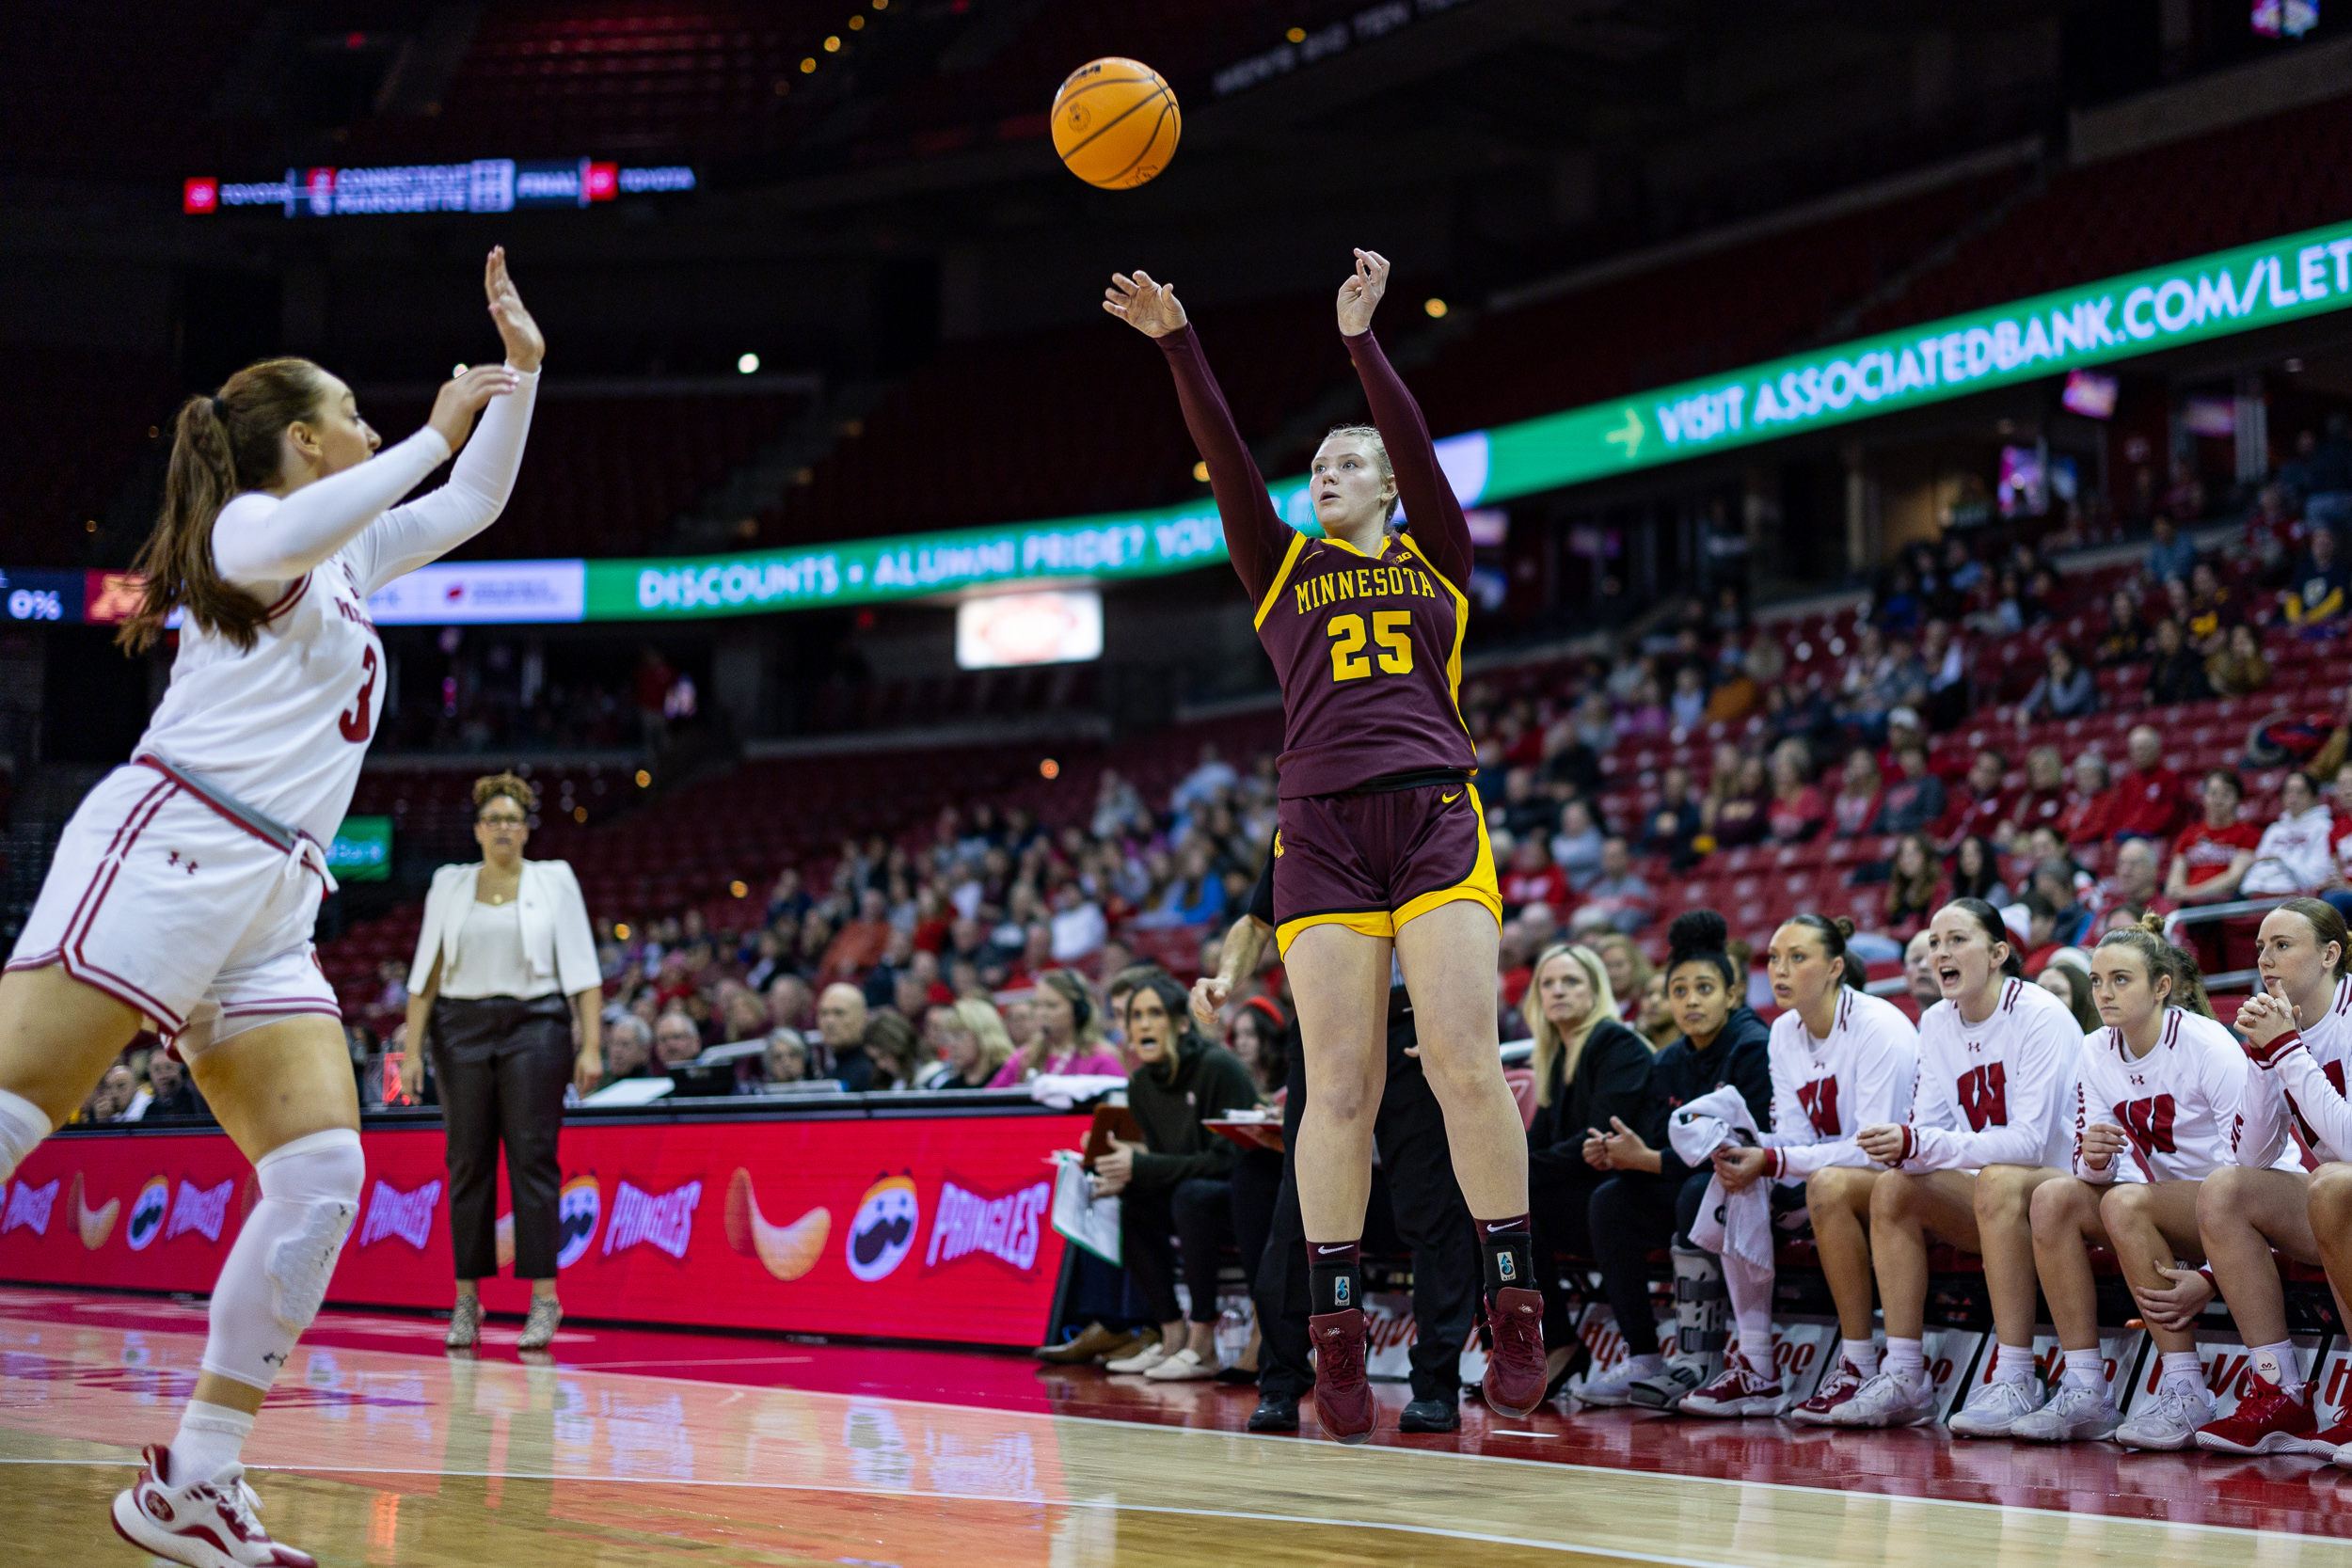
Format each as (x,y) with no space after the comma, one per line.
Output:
(607,476)
(76,421)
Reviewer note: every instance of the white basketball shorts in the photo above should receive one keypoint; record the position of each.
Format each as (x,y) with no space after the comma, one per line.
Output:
(171,903)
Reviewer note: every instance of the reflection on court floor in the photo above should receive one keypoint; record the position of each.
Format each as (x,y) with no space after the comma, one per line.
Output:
(626,1449)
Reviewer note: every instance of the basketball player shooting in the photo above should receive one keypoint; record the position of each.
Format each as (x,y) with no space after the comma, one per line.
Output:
(1382,845)
(185,888)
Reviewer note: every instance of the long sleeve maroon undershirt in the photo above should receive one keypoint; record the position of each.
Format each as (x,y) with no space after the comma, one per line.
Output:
(1255,535)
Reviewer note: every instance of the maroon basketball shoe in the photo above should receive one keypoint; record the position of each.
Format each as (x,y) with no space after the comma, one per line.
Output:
(1841,1385)
(209,1524)
(1515,1378)
(1344,1404)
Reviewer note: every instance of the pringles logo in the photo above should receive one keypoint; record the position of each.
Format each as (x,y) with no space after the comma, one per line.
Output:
(1004,1229)
(202,1210)
(577,1207)
(407,1216)
(147,1213)
(881,1232)
(662,1220)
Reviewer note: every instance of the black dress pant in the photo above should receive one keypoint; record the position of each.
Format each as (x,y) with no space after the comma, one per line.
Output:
(1200,1210)
(1423,1211)
(1630,1215)
(503,1065)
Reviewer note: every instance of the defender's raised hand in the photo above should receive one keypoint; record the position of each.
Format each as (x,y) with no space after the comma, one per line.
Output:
(1151,308)
(525,346)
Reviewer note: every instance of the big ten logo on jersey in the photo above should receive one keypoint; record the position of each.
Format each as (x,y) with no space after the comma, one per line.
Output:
(1388,1335)
(1820,1100)
(2228,1365)
(1983,1095)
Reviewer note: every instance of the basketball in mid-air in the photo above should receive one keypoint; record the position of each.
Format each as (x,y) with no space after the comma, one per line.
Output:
(1116,124)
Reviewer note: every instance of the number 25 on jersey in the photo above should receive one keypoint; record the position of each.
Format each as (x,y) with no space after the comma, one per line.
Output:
(1390,631)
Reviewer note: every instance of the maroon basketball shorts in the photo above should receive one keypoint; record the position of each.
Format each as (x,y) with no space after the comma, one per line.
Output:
(1373,861)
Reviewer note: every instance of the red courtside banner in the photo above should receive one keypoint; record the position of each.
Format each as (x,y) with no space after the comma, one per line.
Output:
(916,1227)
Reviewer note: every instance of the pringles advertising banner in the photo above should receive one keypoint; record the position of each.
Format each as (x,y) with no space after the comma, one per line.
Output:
(932,1228)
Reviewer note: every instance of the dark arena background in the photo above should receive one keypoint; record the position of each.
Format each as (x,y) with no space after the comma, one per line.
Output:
(1905,450)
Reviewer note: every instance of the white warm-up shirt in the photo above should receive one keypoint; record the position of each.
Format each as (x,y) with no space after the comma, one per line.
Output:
(1996,1093)
(2178,1104)
(283,726)
(1824,1091)
(2302,1092)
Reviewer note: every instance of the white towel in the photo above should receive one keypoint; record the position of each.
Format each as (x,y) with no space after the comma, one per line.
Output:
(1745,1218)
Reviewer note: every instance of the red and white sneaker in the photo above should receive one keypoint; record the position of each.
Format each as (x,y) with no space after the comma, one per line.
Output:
(211,1524)
(1738,1392)
(1844,1382)
(2330,1444)
(2264,1421)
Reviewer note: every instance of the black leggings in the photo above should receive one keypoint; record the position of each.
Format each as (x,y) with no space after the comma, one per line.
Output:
(1201,1212)
(1617,1220)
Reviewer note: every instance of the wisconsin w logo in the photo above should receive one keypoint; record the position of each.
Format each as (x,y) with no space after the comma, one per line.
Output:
(2149,1122)
(1985,1096)
(1820,1100)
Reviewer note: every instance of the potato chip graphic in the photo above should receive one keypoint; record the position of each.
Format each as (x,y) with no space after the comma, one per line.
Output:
(787,1251)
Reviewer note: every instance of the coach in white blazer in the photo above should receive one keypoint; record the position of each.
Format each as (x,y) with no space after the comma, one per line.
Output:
(505,983)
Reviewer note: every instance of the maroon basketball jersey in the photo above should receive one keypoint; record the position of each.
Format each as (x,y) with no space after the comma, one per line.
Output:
(1369,652)
(1368,648)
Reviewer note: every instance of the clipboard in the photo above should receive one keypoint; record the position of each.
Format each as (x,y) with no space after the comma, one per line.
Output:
(1110,1121)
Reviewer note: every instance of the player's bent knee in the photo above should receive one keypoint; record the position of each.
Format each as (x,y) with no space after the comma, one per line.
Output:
(2060,1207)
(1894,1197)
(2332,1198)
(2126,1203)
(2002,1192)
(277,1275)
(2222,1194)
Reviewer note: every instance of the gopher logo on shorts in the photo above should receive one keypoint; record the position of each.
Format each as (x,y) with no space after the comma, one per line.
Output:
(577,1209)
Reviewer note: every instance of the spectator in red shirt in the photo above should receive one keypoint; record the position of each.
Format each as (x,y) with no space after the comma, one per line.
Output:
(2090,814)
(1978,805)
(1796,810)
(1855,806)
(1532,878)
(860,944)
(2044,800)
(2152,800)
(2212,854)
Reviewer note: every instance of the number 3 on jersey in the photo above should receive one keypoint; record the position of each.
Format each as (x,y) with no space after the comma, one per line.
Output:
(357,725)
(1390,630)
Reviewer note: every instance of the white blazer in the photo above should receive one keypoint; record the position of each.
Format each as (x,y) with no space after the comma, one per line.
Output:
(556,937)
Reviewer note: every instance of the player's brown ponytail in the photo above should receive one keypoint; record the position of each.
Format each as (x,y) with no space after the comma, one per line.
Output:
(1834,931)
(221,446)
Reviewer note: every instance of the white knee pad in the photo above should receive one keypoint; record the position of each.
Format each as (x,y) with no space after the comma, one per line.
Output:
(277,1275)
(23,1125)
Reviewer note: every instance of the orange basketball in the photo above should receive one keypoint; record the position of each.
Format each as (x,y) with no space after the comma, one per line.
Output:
(1116,124)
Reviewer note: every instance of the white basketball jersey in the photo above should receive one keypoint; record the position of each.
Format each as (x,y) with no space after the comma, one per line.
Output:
(1824,1091)
(2302,1096)
(1996,1093)
(282,725)
(2178,1104)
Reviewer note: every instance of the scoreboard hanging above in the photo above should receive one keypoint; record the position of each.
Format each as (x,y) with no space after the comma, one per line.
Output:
(481,186)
